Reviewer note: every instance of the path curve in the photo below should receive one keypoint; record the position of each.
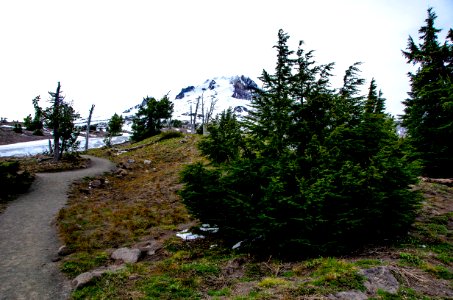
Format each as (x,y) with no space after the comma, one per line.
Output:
(28,236)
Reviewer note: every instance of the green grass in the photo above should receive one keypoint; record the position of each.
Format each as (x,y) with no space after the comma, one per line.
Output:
(409,259)
(219,293)
(329,275)
(403,293)
(368,263)
(167,287)
(109,286)
(80,262)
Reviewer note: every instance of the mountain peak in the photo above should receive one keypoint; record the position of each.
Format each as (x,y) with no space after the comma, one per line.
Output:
(221,93)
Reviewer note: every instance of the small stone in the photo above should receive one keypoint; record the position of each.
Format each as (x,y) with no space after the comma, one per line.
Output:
(121,173)
(64,250)
(131,161)
(150,248)
(82,280)
(349,295)
(147,162)
(96,183)
(126,255)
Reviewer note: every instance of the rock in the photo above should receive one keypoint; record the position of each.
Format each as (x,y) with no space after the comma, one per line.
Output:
(212,84)
(150,247)
(147,162)
(240,109)
(124,165)
(380,278)
(126,255)
(243,87)
(64,250)
(82,280)
(131,161)
(349,295)
(121,173)
(185,90)
(95,183)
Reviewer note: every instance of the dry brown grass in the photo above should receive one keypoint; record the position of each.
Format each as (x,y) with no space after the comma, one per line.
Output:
(43,163)
(126,209)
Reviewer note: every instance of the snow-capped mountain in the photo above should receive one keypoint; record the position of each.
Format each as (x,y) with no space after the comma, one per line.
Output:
(219,93)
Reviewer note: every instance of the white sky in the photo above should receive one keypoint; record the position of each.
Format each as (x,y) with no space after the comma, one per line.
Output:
(113,53)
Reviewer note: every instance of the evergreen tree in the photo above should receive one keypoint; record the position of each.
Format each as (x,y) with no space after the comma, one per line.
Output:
(114,128)
(115,124)
(148,120)
(325,173)
(272,107)
(224,141)
(60,116)
(429,108)
(35,124)
(67,130)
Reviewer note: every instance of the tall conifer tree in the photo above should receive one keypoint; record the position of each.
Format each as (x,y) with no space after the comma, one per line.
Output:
(429,109)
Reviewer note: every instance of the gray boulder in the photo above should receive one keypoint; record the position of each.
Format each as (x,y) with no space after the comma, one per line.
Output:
(380,278)
(126,255)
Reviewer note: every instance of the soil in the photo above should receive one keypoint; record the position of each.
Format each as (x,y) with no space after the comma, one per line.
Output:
(8,136)
(29,240)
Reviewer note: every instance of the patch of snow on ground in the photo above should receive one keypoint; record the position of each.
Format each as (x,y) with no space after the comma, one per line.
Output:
(41,146)
(187,235)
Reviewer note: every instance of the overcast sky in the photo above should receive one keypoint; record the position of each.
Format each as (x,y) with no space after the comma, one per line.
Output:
(113,53)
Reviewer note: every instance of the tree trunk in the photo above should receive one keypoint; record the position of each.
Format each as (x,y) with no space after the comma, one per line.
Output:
(195,116)
(56,126)
(88,127)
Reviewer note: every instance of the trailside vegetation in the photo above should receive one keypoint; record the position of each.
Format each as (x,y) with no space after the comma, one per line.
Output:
(225,140)
(148,120)
(35,124)
(114,128)
(314,170)
(13,180)
(60,117)
(429,109)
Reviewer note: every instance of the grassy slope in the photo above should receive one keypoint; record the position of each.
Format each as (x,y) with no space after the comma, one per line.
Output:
(143,205)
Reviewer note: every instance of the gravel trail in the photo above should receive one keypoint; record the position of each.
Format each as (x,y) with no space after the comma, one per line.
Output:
(29,240)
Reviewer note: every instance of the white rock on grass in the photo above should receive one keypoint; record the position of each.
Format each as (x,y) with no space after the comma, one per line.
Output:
(126,255)
(84,278)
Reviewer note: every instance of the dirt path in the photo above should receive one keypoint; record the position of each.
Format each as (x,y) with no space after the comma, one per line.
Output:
(28,238)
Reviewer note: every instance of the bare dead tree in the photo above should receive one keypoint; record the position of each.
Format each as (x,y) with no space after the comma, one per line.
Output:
(195,116)
(57,99)
(88,127)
